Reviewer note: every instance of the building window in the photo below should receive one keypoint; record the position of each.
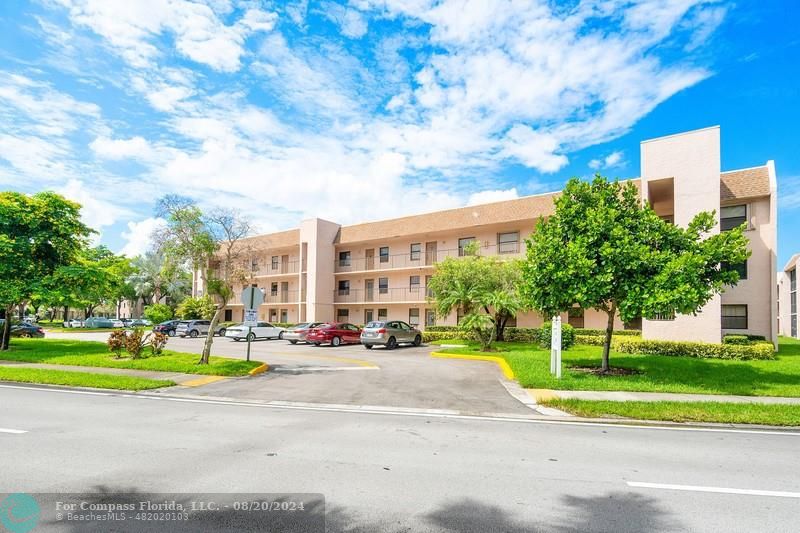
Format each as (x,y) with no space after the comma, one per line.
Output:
(254,265)
(462,243)
(284,316)
(413,283)
(734,316)
(413,316)
(383,314)
(430,317)
(342,315)
(275,262)
(383,285)
(575,317)
(664,316)
(228,315)
(273,315)
(416,251)
(732,216)
(793,302)
(384,254)
(740,268)
(344,259)
(508,243)
(273,289)
(344,287)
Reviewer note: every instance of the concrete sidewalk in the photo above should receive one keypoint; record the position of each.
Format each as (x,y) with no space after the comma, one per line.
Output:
(542,395)
(183,380)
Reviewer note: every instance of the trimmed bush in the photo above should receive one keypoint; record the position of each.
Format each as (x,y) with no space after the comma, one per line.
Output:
(602,333)
(439,329)
(742,339)
(545,331)
(430,336)
(760,350)
(590,340)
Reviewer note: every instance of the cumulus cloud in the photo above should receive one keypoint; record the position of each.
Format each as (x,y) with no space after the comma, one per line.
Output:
(135,147)
(612,160)
(138,236)
(487,197)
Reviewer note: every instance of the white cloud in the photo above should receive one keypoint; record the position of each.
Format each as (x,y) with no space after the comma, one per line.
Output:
(138,236)
(352,22)
(97,210)
(135,147)
(487,197)
(612,160)
(789,192)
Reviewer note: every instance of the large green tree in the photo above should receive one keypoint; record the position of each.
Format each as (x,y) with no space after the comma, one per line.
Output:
(478,285)
(604,249)
(38,234)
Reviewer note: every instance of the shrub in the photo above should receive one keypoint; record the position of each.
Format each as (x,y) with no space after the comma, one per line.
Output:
(197,308)
(116,342)
(602,333)
(514,334)
(158,313)
(430,336)
(157,342)
(135,341)
(567,335)
(440,329)
(742,339)
(760,350)
(590,340)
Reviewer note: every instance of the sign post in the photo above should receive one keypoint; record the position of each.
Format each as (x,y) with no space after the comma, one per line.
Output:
(555,347)
(252,297)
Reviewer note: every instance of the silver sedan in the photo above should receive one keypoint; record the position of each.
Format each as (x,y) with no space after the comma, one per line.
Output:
(298,332)
(390,334)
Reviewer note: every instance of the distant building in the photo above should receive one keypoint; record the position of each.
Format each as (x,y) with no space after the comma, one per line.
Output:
(324,271)
(787,298)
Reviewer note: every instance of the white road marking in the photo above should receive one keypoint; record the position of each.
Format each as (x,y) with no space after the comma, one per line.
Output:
(416,413)
(13,431)
(723,490)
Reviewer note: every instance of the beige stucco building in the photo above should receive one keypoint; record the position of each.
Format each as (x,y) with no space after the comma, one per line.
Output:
(787,298)
(356,273)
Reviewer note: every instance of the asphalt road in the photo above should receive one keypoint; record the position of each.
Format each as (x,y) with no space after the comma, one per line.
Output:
(406,377)
(398,472)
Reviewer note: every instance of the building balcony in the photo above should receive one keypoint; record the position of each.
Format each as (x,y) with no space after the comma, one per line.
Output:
(425,258)
(378,295)
(277,269)
(272,298)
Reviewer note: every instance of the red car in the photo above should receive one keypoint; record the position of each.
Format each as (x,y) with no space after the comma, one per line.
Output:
(334,333)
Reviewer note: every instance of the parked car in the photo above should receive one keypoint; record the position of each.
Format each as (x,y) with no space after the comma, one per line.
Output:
(299,331)
(167,328)
(334,333)
(389,334)
(195,328)
(23,329)
(119,322)
(100,322)
(262,330)
(137,323)
(74,323)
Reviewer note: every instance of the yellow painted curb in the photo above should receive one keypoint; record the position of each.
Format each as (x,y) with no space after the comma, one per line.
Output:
(259,369)
(504,368)
(542,395)
(205,380)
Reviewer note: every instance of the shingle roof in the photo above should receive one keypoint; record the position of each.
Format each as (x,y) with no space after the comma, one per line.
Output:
(281,239)
(746,183)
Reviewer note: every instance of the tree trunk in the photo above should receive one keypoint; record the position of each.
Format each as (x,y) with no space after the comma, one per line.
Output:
(6,335)
(210,337)
(66,313)
(609,332)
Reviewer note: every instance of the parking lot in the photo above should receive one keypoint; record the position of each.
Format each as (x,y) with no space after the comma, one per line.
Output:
(351,375)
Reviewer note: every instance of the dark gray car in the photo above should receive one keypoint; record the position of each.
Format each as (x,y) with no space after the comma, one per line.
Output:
(389,333)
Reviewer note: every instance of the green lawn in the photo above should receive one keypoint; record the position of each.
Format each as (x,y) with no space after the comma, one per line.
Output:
(779,377)
(89,353)
(730,413)
(80,379)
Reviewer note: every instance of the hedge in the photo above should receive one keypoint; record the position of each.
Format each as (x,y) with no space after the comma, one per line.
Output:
(430,336)
(742,339)
(761,350)
(545,331)
(602,333)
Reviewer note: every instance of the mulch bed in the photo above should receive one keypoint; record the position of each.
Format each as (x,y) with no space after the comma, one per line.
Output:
(613,371)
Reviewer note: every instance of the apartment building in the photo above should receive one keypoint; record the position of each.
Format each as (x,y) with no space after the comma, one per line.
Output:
(380,270)
(787,298)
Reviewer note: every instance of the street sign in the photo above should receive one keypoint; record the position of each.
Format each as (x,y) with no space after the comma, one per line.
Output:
(555,347)
(250,317)
(252,297)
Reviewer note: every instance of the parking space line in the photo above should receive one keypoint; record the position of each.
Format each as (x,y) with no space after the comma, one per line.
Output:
(13,431)
(723,490)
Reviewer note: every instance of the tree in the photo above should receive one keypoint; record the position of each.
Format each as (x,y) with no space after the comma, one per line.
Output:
(478,285)
(158,313)
(604,249)
(209,244)
(38,234)
(202,307)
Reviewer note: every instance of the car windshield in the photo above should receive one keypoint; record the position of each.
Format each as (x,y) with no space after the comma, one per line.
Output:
(375,324)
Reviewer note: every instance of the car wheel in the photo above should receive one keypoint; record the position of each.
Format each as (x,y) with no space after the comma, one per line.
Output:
(417,340)
(293,342)
(221,332)
(235,339)
(194,333)
(251,337)
(368,346)
(171,333)
(280,336)
(336,341)
(25,335)
(317,343)
(391,344)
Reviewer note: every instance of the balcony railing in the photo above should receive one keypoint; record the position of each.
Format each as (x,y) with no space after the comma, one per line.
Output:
(280,297)
(378,295)
(272,269)
(420,259)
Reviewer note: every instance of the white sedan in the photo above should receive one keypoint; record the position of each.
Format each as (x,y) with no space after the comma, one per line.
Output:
(263,330)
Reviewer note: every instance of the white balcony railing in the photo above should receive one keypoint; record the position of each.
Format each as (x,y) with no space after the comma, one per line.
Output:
(384,295)
(420,259)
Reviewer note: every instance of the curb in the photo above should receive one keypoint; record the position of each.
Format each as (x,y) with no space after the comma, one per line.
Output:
(259,369)
(504,368)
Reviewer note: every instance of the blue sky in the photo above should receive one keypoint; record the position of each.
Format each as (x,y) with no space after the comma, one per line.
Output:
(364,109)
